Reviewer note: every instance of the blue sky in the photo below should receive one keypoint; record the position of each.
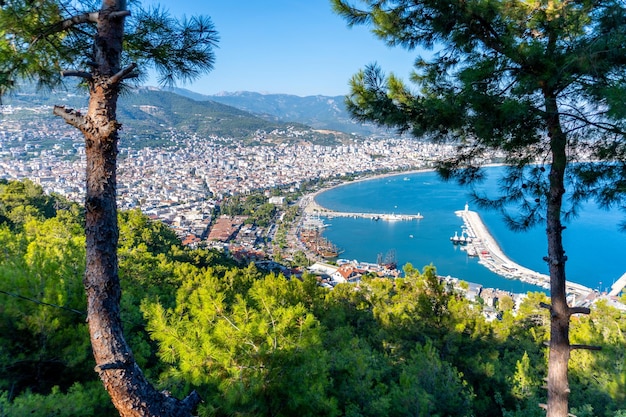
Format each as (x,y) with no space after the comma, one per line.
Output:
(296,47)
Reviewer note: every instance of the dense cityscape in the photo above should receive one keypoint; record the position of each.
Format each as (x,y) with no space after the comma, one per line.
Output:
(182,182)
(185,179)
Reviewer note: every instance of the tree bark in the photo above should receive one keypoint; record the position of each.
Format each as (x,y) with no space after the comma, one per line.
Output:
(131,393)
(558,359)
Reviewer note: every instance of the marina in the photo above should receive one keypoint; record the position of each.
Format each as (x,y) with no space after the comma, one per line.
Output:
(593,241)
(474,239)
(480,243)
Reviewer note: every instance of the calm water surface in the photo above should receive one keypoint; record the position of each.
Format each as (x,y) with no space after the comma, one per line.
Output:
(593,242)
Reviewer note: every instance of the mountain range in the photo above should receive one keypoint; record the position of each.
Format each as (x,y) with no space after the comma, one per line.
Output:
(148,110)
(319,112)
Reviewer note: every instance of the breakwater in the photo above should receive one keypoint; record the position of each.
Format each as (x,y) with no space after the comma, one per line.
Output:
(482,244)
(311,207)
(593,241)
(373,216)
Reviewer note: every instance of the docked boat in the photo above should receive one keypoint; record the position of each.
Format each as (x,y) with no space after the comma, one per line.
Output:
(392,217)
(461,240)
(313,240)
(390,261)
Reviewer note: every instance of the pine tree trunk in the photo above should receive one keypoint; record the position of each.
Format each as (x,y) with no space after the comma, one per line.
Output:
(130,392)
(558,385)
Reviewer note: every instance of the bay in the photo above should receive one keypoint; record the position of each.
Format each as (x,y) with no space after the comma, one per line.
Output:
(593,243)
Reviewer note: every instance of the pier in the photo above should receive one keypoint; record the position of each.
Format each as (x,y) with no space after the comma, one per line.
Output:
(311,208)
(373,216)
(618,286)
(492,256)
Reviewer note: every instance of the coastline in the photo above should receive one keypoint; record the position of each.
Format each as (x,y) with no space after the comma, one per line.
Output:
(483,245)
(311,206)
(491,256)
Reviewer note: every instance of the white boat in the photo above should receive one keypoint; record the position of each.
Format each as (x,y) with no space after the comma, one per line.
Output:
(392,217)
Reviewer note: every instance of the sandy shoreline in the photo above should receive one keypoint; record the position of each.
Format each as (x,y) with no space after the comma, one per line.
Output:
(484,245)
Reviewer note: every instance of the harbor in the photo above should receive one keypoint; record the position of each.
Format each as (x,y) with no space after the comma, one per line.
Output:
(428,241)
(311,208)
(477,241)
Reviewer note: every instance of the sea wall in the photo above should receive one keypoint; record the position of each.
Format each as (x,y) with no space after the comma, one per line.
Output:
(483,245)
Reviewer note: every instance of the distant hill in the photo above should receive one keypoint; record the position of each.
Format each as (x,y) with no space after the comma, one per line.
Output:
(147,111)
(146,107)
(320,112)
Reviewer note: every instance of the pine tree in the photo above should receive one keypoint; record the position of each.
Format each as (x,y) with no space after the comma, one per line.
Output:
(539,84)
(41,38)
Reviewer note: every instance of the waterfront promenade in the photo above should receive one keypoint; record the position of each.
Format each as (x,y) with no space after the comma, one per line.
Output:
(491,256)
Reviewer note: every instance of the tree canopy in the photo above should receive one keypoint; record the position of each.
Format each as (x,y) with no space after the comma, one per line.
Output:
(91,41)
(505,79)
(253,343)
(45,40)
(538,84)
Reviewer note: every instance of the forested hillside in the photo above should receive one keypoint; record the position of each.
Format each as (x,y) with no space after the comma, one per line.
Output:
(151,112)
(320,112)
(257,344)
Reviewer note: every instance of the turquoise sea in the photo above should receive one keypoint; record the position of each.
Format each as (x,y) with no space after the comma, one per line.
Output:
(594,245)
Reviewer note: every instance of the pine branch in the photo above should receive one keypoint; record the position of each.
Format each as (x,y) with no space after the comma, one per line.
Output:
(71,116)
(118,15)
(32,300)
(68,23)
(586,347)
(579,310)
(75,73)
(544,305)
(123,74)
(191,401)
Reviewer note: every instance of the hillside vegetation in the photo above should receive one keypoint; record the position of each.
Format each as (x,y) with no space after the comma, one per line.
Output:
(320,112)
(154,113)
(257,344)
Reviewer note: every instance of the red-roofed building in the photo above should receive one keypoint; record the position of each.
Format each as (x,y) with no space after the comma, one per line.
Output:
(347,273)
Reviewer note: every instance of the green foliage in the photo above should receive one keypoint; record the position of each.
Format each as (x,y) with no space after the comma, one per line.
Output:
(242,354)
(43,304)
(137,229)
(300,259)
(429,386)
(21,200)
(433,298)
(524,380)
(23,52)
(605,328)
(255,206)
(259,344)
(79,401)
(56,36)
